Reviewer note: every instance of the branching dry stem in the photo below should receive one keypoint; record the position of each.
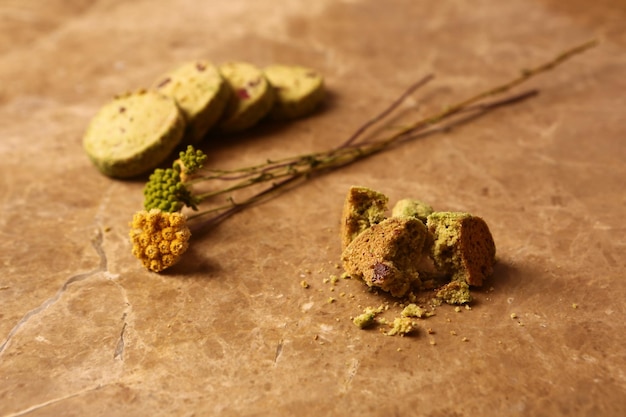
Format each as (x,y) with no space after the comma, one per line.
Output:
(286,171)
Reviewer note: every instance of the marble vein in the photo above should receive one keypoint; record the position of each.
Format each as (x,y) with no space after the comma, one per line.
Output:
(96,242)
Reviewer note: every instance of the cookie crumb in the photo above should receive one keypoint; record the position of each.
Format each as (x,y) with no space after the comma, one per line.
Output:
(367,318)
(413,310)
(401,326)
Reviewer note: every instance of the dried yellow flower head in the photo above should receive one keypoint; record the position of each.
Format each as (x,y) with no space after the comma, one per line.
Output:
(159,238)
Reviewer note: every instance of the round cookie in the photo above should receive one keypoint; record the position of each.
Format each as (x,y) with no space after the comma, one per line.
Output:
(133,133)
(251,99)
(201,93)
(299,91)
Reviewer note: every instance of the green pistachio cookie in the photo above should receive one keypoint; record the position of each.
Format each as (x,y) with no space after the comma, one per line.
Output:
(251,99)
(133,133)
(299,91)
(201,93)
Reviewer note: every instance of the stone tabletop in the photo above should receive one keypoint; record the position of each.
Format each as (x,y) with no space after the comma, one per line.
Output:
(230,330)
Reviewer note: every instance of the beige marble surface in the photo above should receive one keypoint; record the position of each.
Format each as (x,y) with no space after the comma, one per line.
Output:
(84,330)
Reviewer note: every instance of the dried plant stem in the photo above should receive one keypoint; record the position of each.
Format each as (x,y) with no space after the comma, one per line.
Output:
(287,170)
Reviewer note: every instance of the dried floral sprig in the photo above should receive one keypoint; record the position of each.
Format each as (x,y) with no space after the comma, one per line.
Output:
(170,190)
(159,238)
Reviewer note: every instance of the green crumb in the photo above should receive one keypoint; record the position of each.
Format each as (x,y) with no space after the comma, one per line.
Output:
(513,316)
(334,279)
(304,284)
(574,306)
(413,310)
(455,292)
(367,319)
(331,300)
(436,302)
(409,207)
(345,275)
(400,326)
(457,309)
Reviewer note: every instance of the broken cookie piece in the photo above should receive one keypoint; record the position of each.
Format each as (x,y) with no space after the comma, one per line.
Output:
(362,209)
(409,207)
(462,246)
(386,255)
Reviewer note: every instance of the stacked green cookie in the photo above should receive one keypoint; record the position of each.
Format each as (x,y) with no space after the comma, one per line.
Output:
(136,132)
(133,133)
(201,93)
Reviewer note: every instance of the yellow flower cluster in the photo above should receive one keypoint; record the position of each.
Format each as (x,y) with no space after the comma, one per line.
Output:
(159,238)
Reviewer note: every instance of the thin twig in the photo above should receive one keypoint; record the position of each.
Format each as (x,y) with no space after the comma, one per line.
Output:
(302,166)
(388,110)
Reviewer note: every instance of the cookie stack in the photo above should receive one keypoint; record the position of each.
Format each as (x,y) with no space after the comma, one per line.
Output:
(136,132)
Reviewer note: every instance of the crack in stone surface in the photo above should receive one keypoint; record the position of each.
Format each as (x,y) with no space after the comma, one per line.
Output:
(353,367)
(126,317)
(119,348)
(96,242)
(279,351)
(45,404)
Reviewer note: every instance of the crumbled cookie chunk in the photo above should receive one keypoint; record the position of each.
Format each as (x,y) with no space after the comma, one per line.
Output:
(462,246)
(362,209)
(455,292)
(401,326)
(386,255)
